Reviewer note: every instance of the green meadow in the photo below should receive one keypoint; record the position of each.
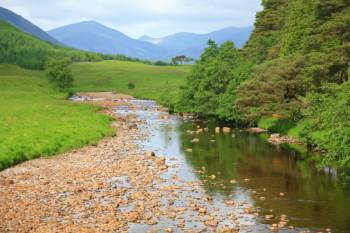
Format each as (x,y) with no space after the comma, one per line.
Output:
(149,81)
(37,120)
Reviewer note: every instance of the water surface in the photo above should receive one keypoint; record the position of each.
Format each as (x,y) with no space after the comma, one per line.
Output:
(277,179)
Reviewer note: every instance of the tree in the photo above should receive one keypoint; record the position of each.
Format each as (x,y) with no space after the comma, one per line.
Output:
(181,59)
(59,73)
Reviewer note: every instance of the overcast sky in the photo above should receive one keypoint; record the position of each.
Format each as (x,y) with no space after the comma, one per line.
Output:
(138,17)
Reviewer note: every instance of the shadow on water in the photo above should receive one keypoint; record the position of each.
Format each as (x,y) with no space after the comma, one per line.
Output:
(281,180)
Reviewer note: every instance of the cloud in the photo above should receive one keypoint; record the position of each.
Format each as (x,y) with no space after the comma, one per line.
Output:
(138,17)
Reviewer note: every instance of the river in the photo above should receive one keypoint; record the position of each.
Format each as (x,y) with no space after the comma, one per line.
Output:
(276,180)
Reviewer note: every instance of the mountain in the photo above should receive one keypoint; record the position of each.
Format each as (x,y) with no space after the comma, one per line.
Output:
(95,37)
(24,25)
(192,44)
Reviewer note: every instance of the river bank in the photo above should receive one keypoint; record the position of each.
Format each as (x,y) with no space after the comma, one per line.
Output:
(107,188)
(160,173)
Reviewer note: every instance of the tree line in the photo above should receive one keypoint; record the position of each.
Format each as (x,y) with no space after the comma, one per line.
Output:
(293,70)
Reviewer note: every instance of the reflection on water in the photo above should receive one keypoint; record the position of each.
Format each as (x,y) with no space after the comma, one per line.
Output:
(275,178)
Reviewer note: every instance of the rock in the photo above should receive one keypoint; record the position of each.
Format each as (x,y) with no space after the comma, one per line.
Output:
(150,154)
(161,161)
(217,130)
(189,150)
(211,222)
(169,230)
(230,202)
(195,140)
(228,230)
(202,211)
(233,182)
(282,194)
(277,139)
(257,130)
(199,131)
(213,177)
(226,130)
(132,216)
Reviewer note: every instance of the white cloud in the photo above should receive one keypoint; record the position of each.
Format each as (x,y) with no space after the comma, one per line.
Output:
(138,17)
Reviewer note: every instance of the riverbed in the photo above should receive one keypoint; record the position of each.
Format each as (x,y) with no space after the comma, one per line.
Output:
(279,182)
(163,173)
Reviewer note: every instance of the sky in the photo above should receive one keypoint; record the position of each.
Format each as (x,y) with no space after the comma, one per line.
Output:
(135,18)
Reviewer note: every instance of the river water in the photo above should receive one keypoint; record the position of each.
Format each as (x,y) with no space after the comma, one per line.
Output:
(278,180)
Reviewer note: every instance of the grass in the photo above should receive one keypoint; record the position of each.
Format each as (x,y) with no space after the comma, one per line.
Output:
(150,82)
(38,121)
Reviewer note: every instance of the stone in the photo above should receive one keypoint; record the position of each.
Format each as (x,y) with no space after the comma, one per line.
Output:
(150,154)
(217,130)
(226,130)
(195,140)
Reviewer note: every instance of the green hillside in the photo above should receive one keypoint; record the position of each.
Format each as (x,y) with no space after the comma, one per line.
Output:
(27,51)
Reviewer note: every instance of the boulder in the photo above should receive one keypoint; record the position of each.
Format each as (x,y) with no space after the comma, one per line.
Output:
(226,130)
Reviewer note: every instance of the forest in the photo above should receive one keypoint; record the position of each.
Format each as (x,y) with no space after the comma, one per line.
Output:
(291,77)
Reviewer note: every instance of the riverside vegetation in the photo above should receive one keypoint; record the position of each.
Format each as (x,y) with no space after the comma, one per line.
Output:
(291,77)
(32,108)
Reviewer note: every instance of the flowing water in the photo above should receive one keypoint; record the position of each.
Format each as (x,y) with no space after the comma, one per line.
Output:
(278,180)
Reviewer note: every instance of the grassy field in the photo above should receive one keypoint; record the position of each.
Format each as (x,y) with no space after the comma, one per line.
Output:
(150,81)
(38,121)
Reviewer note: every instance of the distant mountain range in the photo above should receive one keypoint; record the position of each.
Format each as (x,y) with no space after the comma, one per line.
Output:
(24,25)
(192,44)
(95,37)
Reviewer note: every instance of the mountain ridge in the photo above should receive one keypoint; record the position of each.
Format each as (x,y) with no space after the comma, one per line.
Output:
(96,37)
(24,25)
(193,44)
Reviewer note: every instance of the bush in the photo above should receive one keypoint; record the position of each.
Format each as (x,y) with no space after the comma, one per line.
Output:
(59,73)
(131,86)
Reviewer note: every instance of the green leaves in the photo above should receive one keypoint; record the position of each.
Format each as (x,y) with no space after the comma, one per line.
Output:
(211,86)
(59,73)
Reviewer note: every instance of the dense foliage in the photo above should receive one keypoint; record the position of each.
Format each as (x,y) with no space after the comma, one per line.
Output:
(59,73)
(212,85)
(293,69)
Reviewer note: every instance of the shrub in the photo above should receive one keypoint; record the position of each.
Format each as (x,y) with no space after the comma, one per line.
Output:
(131,85)
(59,73)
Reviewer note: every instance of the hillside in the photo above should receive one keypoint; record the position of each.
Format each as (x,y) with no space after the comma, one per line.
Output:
(192,44)
(24,25)
(27,51)
(95,37)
